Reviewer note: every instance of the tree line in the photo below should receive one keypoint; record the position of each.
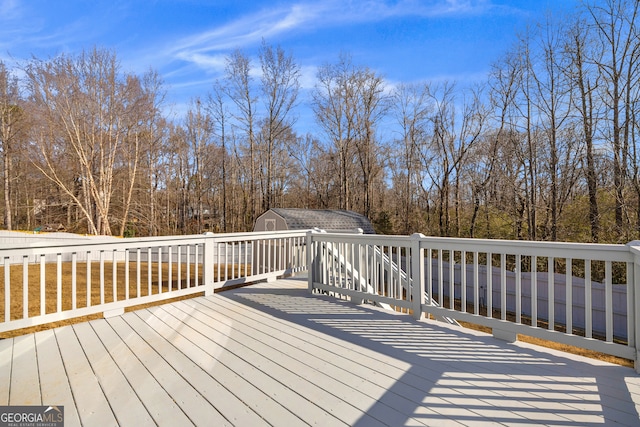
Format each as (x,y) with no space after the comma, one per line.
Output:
(544,149)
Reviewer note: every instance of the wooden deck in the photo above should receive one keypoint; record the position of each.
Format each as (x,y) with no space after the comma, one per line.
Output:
(272,354)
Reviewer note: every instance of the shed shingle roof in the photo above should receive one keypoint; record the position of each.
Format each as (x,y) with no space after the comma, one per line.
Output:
(327,219)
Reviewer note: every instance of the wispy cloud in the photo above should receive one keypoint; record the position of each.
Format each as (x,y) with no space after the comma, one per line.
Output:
(204,49)
(10,9)
(248,29)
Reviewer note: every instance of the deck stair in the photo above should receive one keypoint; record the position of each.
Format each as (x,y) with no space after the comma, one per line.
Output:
(377,259)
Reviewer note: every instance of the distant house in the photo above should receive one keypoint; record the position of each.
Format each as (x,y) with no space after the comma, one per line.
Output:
(302,219)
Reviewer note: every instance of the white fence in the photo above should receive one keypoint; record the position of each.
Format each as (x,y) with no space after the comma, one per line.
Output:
(513,287)
(47,282)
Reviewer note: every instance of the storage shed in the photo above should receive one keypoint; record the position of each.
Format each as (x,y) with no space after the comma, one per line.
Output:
(277,219)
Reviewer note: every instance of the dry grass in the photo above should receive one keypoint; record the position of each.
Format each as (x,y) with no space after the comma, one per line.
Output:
(149,280)
(560,347)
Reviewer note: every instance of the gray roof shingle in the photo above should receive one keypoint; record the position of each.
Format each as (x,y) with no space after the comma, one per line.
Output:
(327,219)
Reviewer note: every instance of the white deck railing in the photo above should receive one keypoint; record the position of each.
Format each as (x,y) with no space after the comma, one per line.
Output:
(586,295)
(580,294)
(48,282)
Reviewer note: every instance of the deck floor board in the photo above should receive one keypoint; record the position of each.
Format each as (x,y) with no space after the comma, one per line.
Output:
(54,383)
(88,398)
(25,379)
(273,354)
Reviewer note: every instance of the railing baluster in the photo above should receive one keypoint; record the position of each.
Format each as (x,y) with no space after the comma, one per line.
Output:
(463,281)
(534,291)
(170,269)
(380,287)
(452,291)
(179,255)
(101,277)
(587,299)
(440,279)
(43,291)
(354,271)
(89,287)
(551,292)
(149,271)
(159,266)
(228,260)
(569,296)
(188,255)
(126,274)
(429,274)
(74,284)
(503,286)
(264,262)
(138,272)
(476,284)
(233,260)
(338,265)
(247,267)
(608,301)
(518,273)
(7,289)
(399,293)
(25,285)
(114,275)
(391,282)
(218,266)
(631,314)
(489,284)
(196,265)
(58,283)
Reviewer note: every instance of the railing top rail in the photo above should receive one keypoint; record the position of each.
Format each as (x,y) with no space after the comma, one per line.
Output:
(593,251)
(88,245)
(368,238)
(254,235)
(69,245)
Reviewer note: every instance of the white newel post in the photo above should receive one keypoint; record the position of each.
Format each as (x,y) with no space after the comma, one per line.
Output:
(310,260)
(417,275)
(634,294)
(207,264)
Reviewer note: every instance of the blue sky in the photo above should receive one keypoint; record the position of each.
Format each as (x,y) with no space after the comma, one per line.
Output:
(186,41)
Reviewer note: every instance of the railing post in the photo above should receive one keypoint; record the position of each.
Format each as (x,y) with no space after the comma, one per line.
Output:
(208,276)
(633,292)
(417,275)
(311,258)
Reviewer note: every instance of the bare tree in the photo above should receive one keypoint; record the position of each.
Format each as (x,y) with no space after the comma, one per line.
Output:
(412,110)
(280,86)
(584,82)
(616,29)
(240,90)
(371,106)
(334,105)
(88,132)
(220,116)
(11,119)
(450,147)
(551,100)
(199,130)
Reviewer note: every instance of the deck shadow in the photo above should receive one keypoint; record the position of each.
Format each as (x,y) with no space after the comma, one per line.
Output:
(459,376)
